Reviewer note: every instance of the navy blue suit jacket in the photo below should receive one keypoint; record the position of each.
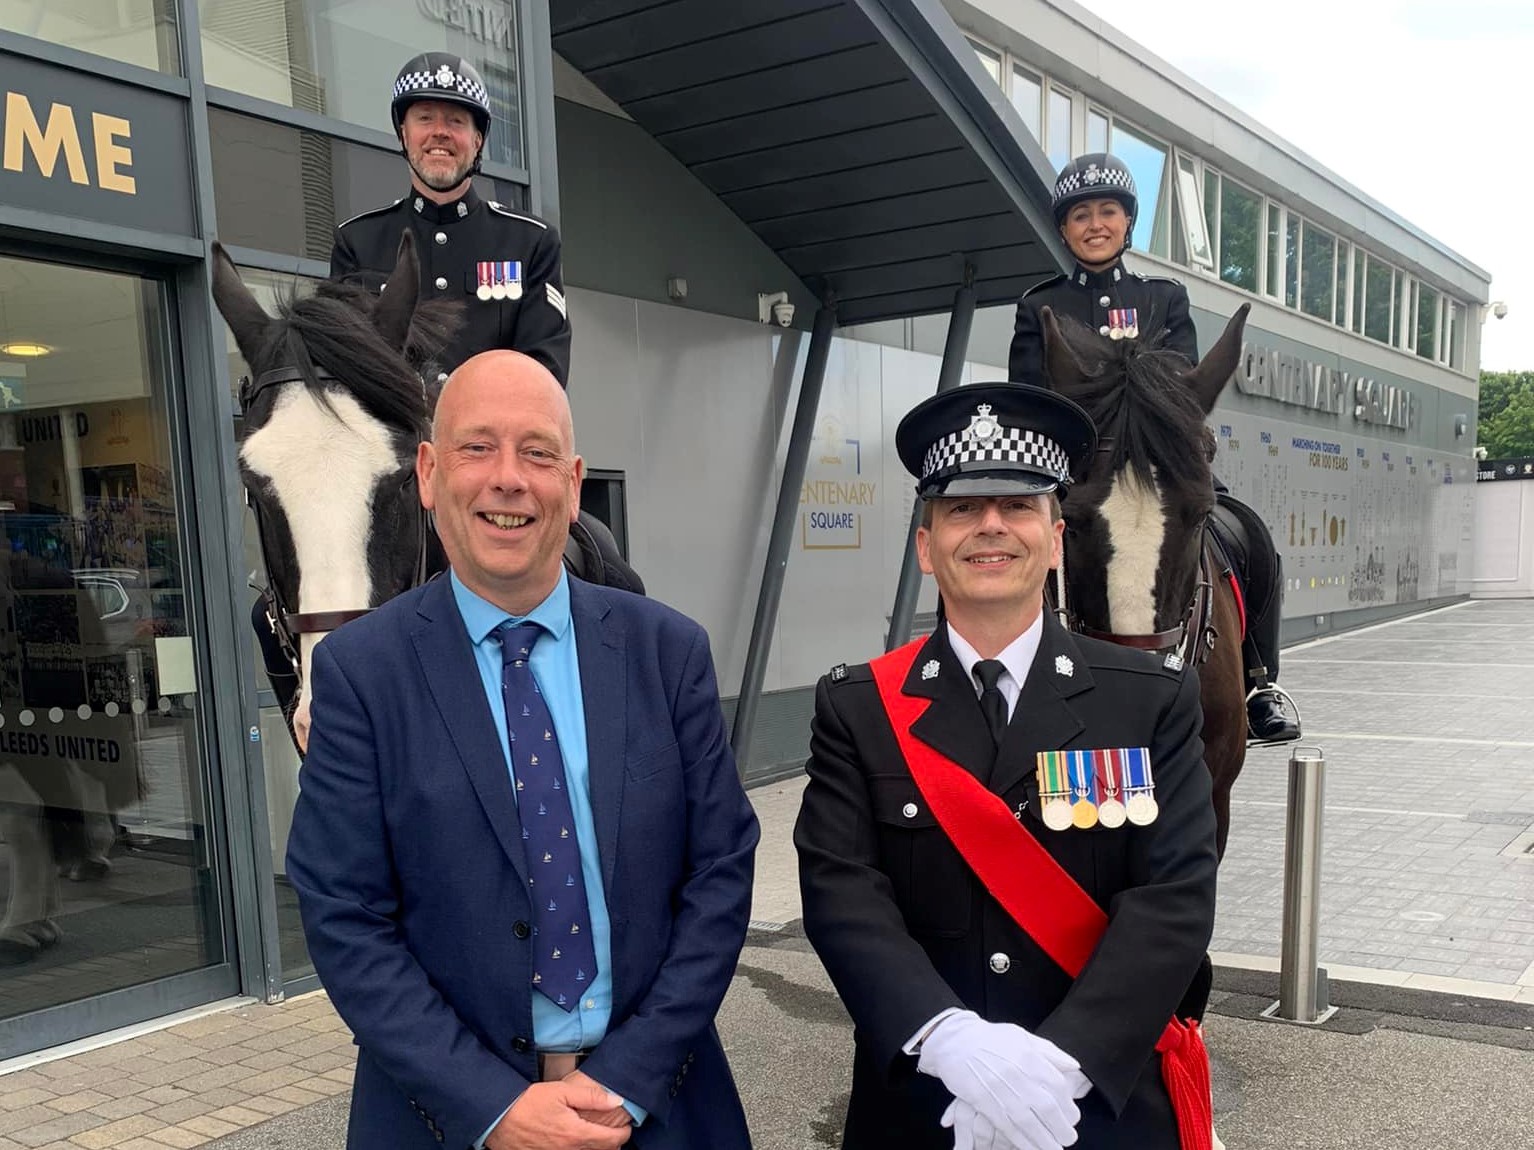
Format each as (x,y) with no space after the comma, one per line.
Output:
(407,856)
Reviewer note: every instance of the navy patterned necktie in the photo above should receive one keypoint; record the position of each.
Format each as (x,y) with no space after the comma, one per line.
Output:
(564,958)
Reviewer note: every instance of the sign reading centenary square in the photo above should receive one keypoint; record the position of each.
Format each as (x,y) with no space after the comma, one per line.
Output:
(79,145)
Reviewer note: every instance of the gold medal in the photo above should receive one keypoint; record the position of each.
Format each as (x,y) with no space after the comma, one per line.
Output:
(1083,814)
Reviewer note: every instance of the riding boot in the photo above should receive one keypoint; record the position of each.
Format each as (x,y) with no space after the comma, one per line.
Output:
(1265,715)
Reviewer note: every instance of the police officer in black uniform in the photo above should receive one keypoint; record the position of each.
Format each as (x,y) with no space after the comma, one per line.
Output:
(503,264)
(1094,207)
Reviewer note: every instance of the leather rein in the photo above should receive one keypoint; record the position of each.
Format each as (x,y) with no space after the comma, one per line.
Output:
(290,626)
(1191,641)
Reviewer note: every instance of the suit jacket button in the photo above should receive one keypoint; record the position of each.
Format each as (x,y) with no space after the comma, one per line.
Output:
(520,929)
(521,1045)
(1001,963)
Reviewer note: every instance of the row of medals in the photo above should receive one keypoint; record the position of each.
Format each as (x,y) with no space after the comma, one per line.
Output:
(499,291)
(1059,814)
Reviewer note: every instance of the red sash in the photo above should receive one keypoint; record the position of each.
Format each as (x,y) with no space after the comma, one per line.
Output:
(1031,886)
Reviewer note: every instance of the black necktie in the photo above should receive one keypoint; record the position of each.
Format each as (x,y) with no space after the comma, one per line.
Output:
(993,704)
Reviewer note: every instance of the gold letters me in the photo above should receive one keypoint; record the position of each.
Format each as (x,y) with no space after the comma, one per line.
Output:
(23,133)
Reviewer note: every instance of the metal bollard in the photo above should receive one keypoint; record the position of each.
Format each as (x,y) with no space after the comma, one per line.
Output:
(1302,986)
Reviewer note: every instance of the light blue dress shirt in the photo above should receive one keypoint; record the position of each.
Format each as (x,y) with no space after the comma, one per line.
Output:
(557,669)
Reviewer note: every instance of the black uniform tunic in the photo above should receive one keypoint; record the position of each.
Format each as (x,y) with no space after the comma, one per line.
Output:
(452,240)
(1160,306)
(905,929)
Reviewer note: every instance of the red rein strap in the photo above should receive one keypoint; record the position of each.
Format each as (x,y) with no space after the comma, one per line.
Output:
(1031,886)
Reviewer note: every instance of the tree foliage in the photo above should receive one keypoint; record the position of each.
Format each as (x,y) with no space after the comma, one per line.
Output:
(1505,425)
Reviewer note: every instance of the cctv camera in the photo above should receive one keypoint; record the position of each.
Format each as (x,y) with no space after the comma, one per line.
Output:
(783,313)
(1499,309)
(774,306)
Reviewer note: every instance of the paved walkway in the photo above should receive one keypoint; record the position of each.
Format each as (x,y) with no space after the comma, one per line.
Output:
(1429,733)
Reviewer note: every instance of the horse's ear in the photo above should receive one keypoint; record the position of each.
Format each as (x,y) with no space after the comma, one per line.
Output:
(1060,363)
(246,318)
(397,303)
(1213,372)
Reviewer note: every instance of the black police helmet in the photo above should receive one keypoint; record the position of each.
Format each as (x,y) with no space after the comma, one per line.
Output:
(994,439)
(441,76)
(1095,176)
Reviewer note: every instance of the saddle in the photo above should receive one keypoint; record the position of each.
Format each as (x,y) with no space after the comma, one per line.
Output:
(1242,537)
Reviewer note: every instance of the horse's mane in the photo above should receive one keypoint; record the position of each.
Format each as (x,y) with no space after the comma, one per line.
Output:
(333,330)
(1147,416)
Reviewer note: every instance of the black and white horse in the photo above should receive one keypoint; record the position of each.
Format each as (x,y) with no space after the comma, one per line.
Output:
(334,410)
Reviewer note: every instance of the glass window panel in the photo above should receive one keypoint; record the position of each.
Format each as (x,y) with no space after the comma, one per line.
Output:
(1319,278)
(1397,306)
(1457,336)
(141,32)
(104,802)
(280,760)
(1240,235)
(1057,141)
(339,57)
(1292,260)
(1097,131)
(1028,99)
(1340,304)
(1212,210)
(1147,160)
(989,60)
(1190,235)
(280,189)
(1173,236)
(1379,285)
(1275,232)
(1427,320)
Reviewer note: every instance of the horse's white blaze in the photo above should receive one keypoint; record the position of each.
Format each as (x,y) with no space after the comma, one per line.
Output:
(1136,528)
(323,470)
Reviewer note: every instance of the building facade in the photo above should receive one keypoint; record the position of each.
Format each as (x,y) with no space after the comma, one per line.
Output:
(700,165)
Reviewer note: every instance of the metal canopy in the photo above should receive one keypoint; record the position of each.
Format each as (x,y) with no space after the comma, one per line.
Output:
(858,139)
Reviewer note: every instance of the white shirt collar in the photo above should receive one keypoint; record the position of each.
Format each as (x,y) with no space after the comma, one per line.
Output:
(1017,657)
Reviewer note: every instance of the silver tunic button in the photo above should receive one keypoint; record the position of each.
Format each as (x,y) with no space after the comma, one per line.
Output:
(441,237)
(909,810)
(1001,963)
(442,283)
(1105,301)
(1103,330)
(441,377)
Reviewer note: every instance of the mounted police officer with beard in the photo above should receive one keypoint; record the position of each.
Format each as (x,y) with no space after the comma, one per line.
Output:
(1094,207)
(503,264)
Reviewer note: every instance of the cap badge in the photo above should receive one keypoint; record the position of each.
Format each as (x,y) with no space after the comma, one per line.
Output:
(1093,175)
(445,77)
(929,669)
(983,428)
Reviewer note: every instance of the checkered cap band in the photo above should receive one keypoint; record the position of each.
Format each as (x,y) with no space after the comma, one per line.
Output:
(1094,177)
(1013,445)
(409,83)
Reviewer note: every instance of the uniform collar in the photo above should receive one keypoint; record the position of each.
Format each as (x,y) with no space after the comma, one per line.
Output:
(1109,276)
(435,213)
(1017,657)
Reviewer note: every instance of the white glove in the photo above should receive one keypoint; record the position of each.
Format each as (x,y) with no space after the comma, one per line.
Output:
(971,1130)
(1022,1085)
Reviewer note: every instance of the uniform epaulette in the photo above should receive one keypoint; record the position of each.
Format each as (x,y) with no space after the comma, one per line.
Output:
(1041,285)
(502,209)
(850,673)
(372,212)
(1160,279)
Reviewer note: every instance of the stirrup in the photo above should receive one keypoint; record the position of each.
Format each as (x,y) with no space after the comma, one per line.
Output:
(1286,703)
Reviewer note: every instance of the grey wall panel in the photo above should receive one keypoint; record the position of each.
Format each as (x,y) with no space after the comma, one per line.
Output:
(633,216)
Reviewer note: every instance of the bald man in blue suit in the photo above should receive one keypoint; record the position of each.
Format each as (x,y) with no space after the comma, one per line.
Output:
(416,852)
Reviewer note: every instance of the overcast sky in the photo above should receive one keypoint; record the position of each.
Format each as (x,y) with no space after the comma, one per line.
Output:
(1425,106)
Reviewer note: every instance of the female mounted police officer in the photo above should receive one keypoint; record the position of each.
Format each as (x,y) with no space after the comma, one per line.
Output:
(1094,207)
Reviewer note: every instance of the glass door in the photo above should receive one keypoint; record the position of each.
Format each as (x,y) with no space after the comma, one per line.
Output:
(109,847)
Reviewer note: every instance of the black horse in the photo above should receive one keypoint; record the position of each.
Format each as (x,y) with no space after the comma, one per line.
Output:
(1143,568)
(334,410)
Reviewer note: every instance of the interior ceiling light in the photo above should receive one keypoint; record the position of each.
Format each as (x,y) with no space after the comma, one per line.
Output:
(25,350)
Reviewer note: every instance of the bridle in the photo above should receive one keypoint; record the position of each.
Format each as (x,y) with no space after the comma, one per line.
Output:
(290,626)
(1191,641)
